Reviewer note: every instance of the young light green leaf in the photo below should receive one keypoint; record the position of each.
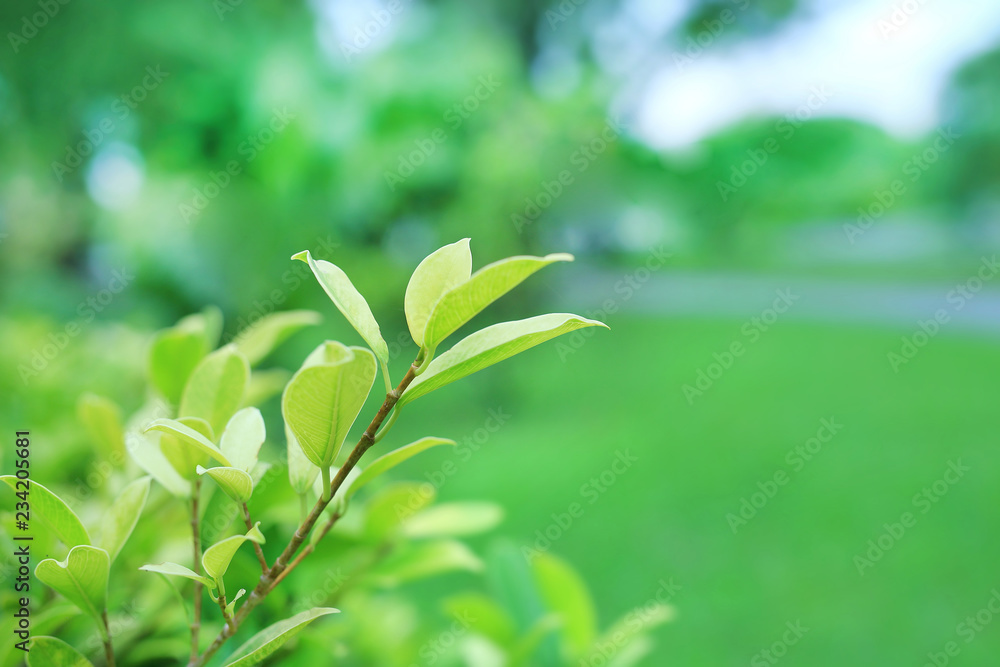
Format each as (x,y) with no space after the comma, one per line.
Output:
(259,339)
(102,418)
(53,652)
(217,557)
(348,301)
(121,517)
(392,505)
(173,355)
(175,570)
(82,578)
(236,483)
(144,448)
(565,595)
(184,456)
(301,473)
(423,559)
(216,388)
(440,272)
(391,460)
(242,439)
(485,286)
(266,642)
(53,513)
(189,436)
(264,384)
(208,323)
(491,619)
(322,402)
(456,519)
(491,345)
(231,607)
(632,628)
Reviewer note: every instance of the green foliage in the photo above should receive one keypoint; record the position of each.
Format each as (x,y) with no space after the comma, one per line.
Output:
(121,517)
(216,388)
(82,578)
(54,652)
(54,513)
(264,644)
(218,556)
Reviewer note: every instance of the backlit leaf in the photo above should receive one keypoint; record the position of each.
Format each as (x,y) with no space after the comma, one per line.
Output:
(175,570)
(423,559)
(441,271)
(216,388)
(172,357)
(217,557)
(122,516)
(242,439)
(454,520)
(266,642)
(391,460)
(261,337)
(53,652)
(190,437)
(301,472)
(82,578)
(566,595)
(53,513)
(236,483)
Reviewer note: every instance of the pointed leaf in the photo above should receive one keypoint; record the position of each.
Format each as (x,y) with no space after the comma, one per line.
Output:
(424,559)
(259,339)
(82,578)
(53,652)
(236,483)
(322,402)
(301,473)
(173,355)
(53,513)
(491,345)
(391,460)
(144,448)
(103,420)
(208,323)
(632,628)
(443,270)
(185,456)
(121,517)
(454,520)
(348,301)
(217,557)
(176,570)
(216,388)
(565,595)
(485,286)
(242,439)
(266,642)
(264,384)
(190,437)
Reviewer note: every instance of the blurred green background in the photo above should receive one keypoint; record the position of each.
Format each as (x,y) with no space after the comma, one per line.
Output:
(786,211)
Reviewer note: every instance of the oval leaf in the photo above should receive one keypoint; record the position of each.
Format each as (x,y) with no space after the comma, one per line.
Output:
(485,286)
(175,570)
(259,339)
(173,355)
(53,652)
(391,460)
(216,388)
(236,483)
(53,513)
(103,420)
(443,270)
(264,644)
(348,301)
(424,559)
(454,520)
(565,594)
(121,517)
(82,578)
(190,437)
(242,439)
(322,402)
(217,557)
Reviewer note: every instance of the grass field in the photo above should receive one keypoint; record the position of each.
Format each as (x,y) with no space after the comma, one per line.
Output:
(665,517)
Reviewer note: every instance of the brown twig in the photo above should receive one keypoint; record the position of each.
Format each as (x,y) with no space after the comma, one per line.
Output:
(196,539)
(256,547)
(109,650)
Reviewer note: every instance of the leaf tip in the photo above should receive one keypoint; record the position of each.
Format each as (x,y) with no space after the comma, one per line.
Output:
(302,256)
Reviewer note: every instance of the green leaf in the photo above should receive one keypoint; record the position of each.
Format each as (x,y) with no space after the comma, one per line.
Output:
(144,448)
(266,642)
(259,339)
(82,578)
(236,483)
(176,570)
(566,595)
(102,418)
(423,559)
(456,519)
(491,345)
(172,357)
(242,439)
(208,323)
(391,460)
(53,652)
(322,402)
(387,509)
(53,513)
(216,388)
(264,384)
(485,286)
(490,619)
(217,557)
(443,270)
(182,455)
(301,473)
(121,517)
(189,436)
(632,627)
(348,301)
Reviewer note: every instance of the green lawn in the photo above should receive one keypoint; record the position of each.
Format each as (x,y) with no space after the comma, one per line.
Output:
(666,516)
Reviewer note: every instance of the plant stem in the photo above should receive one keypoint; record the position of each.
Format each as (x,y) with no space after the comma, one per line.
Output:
(325,471)
(256,547)
(196,539)
(308,550)
(109,650)
(225,614)
(269,579)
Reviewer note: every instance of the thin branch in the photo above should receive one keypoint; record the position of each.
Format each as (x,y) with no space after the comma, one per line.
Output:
(256,547)
(225,612)
(109,650)
(307,550)
(196,539)
(269,579)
